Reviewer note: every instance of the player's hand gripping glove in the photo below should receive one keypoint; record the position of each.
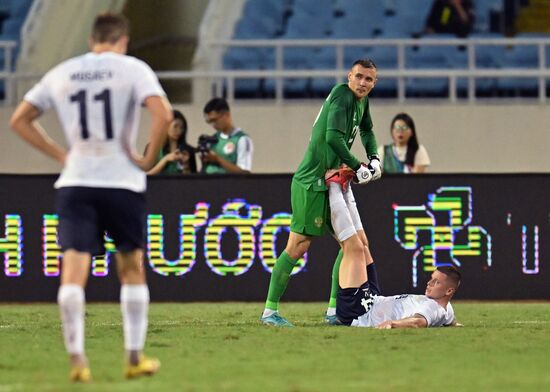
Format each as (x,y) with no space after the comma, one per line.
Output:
(363,175)
(375,168)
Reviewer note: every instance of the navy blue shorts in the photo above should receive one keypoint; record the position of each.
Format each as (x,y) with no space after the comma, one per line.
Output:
(86,213)
(353,302)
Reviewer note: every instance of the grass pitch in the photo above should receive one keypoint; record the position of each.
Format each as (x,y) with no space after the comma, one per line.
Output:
(222,347)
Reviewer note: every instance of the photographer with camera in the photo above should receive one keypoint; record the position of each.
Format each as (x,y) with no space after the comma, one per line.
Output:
(176,156)
(230,149)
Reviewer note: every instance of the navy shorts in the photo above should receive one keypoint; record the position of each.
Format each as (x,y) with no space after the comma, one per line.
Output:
(86,213)
(353,302)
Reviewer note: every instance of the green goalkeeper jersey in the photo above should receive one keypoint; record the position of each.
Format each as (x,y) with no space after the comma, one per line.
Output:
(344,114)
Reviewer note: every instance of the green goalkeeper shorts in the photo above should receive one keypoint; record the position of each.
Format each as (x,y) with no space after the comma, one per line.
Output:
(310,210)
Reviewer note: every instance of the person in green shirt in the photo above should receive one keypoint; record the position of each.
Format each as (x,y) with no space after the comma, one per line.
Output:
(232,152)
(344,114)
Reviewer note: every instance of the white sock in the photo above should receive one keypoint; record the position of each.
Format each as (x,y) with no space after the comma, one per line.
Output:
(352,208)
(70,298)
(339,214)
(331,311)
(134,303)
(268,312)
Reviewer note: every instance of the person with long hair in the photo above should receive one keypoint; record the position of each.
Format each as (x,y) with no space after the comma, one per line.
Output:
(176,156)
(405,154)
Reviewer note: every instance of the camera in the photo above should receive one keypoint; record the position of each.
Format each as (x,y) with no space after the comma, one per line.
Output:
(205,143)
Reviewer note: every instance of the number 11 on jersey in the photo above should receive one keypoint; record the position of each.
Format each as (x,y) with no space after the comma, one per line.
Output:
(105,96)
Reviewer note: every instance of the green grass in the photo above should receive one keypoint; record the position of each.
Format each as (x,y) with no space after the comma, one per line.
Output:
(222,347)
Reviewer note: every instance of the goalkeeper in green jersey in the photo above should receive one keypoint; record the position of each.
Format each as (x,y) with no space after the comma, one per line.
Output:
(344,114)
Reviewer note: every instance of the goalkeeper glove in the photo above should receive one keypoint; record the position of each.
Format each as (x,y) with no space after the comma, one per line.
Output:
(375,168)
(363,175)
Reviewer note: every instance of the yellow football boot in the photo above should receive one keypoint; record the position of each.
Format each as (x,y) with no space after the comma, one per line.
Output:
(80,374)
(145,367)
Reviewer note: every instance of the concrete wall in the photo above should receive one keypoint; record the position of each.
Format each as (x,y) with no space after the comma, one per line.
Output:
(459,138)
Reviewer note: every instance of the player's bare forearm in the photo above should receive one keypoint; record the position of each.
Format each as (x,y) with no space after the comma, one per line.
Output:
(230,167)
(23,123)
(161,111)
(158,167)
(416,321)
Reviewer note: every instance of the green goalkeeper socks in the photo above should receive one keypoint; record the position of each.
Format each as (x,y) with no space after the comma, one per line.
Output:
(279,280)
(335,275)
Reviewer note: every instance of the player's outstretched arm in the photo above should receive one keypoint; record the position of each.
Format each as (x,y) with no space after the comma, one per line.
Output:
(416,321)
(23,123)
(161,112)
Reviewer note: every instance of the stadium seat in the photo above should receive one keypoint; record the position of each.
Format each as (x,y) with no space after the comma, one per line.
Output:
(267,12)
(486,56)
(385,58)
(401,26)
(521,57)
(320,8)
(426,57)
(20,8)
(301,25)
(323,59)
(244,59)
(350,28)
(349,7)
(364,19)
(413,7)
(252,28)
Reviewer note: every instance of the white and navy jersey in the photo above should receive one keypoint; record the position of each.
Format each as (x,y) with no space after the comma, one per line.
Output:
(98,98)
(399,307)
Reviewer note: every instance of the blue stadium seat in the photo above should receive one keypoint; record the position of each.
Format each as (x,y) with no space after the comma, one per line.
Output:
(521,57)
(244,59)
(426,57)
(420,8)
(293,58)
(401,26)
(300,26)
(486,56)
(349,7)
(268,12)
(11,28)
(255,28)
(20,8)
(385,58)
(319,8)
(350,28)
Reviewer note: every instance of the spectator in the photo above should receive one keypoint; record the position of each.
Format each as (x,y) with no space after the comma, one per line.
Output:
(404,155)
(176,157)
(451,16)
(232,152)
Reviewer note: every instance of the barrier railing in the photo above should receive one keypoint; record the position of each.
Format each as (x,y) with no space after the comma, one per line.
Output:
(401,72)
(222,81)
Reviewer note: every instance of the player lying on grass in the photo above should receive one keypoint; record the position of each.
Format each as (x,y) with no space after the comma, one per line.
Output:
(345,113)
(359,302)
